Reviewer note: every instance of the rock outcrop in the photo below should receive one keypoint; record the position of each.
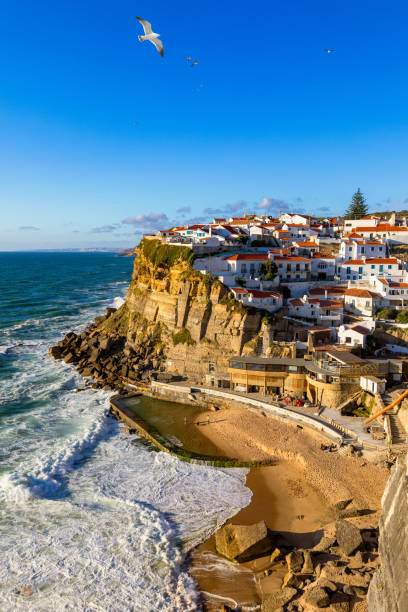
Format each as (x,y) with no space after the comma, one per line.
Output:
(243,542)
(388,591)
(174,319)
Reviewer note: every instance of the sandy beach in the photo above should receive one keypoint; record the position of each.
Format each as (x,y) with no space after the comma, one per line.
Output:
(293,497)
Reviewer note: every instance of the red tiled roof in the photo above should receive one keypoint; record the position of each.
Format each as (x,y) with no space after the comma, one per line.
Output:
(326,303)
(362,293)
(247,257)
(374,260)
(352,235)
(291,258)
(307,244)
(382,227)
(296,302)
(330,290)
(402,285)
(320,255)
(360,330)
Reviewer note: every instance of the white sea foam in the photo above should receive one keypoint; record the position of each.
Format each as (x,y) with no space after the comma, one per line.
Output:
(89,519)
(118,302)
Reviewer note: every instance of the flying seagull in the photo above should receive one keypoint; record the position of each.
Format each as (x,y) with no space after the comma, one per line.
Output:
(188,58)
(150,35)
(194,63)
(329,50)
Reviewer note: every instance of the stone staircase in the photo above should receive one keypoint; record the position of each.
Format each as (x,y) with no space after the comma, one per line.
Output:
(398,433)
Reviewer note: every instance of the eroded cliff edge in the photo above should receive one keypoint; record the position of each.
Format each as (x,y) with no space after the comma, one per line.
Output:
(388,591)
(174,318)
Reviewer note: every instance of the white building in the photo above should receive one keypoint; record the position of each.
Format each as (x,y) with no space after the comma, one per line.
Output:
(373,384)
(292,268)
(295,218)
(393,234)
(322,311)
(394,293)
(362,302)
(268,300)
(355,248)
(246,264)
(323,266)
(306,248)
(354,335)
(371,221)
(369,268)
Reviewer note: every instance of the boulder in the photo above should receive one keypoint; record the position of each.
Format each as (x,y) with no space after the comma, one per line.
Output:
(95,355)
(105,343)
(354,590)
(242,542)
(275,601)
(308,563)
(348,537)
(348,513)
(55,352)
(316,596)
(109,312)
(324,545)
(69,358)
(275,554)
(339,603)
(291,580)
(362,557)
(342,504)
(295,561)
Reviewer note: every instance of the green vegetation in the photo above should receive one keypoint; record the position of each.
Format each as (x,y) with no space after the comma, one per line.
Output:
(209,280)
(260,243)
(240,281)
(118,321)
(372,343)
(165,255)
(402,316)
(269,318)
(358,208)
(242,239)
(183,337)
(386,313)
(269,270)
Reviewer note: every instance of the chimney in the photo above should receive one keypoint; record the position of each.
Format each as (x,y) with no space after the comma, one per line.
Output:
(393,218)
(325,294)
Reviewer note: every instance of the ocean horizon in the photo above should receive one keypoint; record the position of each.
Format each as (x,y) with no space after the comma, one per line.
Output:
(90,519)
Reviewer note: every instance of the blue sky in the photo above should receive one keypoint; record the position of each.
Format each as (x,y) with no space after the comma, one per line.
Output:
(276,117)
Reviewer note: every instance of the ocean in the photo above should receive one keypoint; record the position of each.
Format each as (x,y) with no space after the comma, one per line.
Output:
(90,519)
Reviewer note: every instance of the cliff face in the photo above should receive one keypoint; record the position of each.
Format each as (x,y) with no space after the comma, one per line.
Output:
(388,590)
(194,319)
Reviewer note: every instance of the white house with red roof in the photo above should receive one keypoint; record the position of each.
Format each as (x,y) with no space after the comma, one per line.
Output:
(362,302)
(355,335)
(323,266)
(366,268)
(393,234)
(268,300)
(246,264)
(323,311)
(368,221)
(306,248)
(296,218)
(356,247)
(394,293)
(292,267)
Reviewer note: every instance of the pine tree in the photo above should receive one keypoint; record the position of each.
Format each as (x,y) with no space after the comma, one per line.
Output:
(358,208)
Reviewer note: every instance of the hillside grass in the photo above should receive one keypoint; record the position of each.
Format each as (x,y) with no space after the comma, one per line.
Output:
(165,255)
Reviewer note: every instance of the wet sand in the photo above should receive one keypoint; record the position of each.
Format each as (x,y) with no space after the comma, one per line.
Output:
(292,497)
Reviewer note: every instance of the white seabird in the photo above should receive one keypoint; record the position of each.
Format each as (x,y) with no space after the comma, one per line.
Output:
(329,50)
(150,35)
(194,63)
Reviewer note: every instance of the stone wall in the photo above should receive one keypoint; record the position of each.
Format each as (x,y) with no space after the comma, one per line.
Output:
(388,590)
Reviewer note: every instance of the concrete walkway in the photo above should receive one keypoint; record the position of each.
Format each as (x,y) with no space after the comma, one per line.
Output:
(352,428)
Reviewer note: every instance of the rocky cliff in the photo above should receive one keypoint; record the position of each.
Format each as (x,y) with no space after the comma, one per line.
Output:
(174,318)
(388,590)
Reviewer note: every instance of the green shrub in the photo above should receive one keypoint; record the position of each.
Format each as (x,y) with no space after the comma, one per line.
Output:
(269,270)
(183,337)
(402,316)
(386,313)
(165,255)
